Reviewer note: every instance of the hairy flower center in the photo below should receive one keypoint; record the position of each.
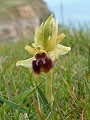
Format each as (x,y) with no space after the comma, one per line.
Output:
(42,63)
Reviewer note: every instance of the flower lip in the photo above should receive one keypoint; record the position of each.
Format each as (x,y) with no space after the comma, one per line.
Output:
(42,63)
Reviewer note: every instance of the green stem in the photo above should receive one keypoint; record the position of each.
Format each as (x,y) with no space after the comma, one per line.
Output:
(48,90)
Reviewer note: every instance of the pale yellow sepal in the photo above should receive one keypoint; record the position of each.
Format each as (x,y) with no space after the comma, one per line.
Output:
(59,50)
(26,63)
(62,48)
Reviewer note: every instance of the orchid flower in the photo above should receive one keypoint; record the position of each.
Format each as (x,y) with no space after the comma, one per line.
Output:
(45,50)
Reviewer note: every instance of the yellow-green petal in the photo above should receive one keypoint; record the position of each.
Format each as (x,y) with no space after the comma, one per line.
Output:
(60,37)
(30,49)
(26,63)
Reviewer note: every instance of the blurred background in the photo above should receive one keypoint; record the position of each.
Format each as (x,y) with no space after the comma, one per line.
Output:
(20,18)
(70,11)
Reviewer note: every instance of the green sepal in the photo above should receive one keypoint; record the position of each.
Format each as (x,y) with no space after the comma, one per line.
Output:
(39,36)
(47,29)
(52,39)
(45,35)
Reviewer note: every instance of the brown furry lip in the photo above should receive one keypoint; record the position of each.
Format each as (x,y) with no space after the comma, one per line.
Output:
(42,63)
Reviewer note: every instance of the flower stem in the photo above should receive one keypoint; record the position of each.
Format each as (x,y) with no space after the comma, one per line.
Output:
(48,90)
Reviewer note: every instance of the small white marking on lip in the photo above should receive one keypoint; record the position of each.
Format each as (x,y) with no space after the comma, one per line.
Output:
(43,60)
(37,62)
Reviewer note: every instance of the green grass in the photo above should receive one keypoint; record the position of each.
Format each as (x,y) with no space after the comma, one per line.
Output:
(22,92)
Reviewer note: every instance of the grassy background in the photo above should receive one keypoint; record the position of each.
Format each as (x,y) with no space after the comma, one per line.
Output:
(22,92)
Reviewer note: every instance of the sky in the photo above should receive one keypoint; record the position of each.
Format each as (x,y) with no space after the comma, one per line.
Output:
(70,11)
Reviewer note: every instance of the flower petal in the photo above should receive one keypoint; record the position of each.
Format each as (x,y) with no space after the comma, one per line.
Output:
(59,38)
(59,50)
(26,63)
(30,49)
